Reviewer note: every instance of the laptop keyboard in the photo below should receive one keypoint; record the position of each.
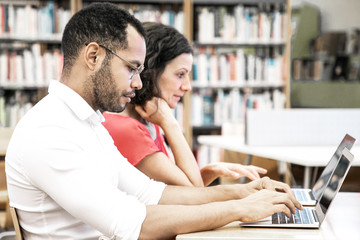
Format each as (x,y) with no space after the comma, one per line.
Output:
(300,195)
(301,216)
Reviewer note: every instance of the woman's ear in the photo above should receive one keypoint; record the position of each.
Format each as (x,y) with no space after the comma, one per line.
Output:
(93,56)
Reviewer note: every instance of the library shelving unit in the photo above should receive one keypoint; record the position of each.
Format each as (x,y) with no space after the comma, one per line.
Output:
(325,65)
(247,53)
(242,52)
(30,56)
(318,88)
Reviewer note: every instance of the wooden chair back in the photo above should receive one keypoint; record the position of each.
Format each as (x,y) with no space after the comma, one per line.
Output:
(16,223)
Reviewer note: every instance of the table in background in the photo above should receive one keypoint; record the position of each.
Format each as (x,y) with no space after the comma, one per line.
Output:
(307,156)
(335,227)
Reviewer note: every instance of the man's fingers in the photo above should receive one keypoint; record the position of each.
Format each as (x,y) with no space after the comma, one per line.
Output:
(281,187)
(291,204)
(278,208)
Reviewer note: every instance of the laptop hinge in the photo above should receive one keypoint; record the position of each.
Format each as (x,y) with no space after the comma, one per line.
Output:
(315,215)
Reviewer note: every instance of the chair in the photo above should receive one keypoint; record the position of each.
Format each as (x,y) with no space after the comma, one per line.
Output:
(8,235)
(7,221)
(16,223)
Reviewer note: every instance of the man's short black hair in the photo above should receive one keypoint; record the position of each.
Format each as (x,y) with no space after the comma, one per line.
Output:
(104,23)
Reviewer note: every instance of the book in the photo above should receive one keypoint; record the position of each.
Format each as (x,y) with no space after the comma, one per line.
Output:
(339,71)
(354,69)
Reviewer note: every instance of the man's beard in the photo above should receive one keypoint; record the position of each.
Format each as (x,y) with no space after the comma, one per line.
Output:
(106,96)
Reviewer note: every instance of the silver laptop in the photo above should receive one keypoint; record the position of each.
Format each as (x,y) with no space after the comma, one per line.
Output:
(308,197)
(312,217)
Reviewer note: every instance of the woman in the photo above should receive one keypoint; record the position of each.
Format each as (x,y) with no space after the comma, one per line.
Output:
(136,131)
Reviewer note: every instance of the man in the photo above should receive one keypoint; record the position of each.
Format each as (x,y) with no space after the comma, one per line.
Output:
(66,178)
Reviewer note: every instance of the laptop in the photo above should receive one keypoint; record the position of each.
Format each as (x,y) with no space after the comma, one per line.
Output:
(312,217)
(309,197)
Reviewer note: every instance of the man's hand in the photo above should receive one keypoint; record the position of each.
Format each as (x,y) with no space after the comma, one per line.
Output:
(266,183)
(265,202)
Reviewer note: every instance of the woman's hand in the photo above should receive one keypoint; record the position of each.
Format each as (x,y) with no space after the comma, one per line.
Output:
(232,170)
(156,111)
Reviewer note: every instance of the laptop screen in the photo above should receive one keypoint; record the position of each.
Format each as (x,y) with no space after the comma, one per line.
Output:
(320,184)
(336,181)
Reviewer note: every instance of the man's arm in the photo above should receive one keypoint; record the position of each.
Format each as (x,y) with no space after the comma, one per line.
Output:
(190,195)
(166,221)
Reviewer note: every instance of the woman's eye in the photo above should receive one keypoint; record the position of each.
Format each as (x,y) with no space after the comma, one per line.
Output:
(181,75)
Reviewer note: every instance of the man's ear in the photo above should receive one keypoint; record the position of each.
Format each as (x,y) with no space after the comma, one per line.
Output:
(93,56)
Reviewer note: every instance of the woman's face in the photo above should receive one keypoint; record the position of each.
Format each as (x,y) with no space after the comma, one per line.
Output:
(175,81)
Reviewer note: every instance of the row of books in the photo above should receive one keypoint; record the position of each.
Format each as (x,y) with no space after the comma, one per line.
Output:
(241,23)
(241,67)
(209,109)
(330,43)
(28,68)
(15,107)
(157,13)
(326,69)
(337,43)
(31,20)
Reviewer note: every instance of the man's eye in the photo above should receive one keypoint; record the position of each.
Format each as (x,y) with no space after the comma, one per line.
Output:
(131,69)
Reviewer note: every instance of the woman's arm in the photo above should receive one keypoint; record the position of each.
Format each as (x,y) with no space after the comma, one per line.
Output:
(158,166)
(158,112)
(233,170)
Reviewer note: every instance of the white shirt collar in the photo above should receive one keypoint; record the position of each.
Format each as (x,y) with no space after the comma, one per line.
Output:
(75,102)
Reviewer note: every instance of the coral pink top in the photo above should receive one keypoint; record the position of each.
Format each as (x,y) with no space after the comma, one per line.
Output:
(132,138)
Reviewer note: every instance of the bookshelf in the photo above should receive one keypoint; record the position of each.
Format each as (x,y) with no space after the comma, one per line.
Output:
(184,15)
(30,56)
(242,52)
(325,63)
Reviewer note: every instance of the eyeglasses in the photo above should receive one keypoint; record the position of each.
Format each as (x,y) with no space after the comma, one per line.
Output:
(134,70)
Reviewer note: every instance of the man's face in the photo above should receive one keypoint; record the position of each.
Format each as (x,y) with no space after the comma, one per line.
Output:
(111,84)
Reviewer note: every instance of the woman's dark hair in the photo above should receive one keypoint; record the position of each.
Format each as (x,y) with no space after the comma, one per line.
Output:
(104,23)
(163,44)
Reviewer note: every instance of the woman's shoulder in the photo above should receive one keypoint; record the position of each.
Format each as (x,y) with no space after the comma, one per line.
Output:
(117,122)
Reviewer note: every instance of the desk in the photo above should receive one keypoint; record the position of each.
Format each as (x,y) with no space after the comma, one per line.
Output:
(307,156)
(333,228)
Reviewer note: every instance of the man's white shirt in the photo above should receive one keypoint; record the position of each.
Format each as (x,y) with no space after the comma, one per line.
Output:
(66,178)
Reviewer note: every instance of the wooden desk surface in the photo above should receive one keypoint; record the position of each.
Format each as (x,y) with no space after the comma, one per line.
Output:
(333,228)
